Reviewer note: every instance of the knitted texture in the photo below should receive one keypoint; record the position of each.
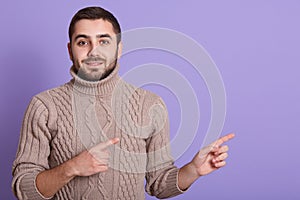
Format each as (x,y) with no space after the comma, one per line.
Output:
(62,122)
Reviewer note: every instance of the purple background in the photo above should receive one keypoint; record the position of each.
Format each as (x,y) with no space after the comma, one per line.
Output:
(255,45)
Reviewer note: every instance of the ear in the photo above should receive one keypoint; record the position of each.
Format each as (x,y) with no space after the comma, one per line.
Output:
(120,46)
(70,51)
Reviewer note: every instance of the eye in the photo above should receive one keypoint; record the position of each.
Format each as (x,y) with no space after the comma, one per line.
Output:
(82,43)
(104,42)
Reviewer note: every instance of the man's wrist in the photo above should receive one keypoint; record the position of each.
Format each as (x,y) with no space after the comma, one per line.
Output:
(187,175)
(193,171)
(69,169)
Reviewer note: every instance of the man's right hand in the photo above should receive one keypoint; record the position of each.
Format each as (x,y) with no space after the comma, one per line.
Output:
(86,163)
(92,161)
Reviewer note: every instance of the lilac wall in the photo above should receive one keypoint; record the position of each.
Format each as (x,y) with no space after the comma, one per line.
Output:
(255,45)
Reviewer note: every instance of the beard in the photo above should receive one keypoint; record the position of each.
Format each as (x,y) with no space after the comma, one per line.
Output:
(97,73)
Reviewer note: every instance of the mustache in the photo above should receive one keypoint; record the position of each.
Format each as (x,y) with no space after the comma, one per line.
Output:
(93,59)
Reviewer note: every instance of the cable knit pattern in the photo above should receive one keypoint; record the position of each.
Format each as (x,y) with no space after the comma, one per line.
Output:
(62,122)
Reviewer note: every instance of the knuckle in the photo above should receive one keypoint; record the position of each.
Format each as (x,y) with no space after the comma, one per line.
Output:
(226,148)
(106,153)
(103,168)
(225,155)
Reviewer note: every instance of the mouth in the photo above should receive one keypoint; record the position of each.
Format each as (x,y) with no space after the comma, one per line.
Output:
(94,63)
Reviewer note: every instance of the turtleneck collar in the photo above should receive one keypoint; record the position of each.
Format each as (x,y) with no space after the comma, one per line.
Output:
(102,87)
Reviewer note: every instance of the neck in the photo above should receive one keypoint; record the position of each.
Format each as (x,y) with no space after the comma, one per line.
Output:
(104,86)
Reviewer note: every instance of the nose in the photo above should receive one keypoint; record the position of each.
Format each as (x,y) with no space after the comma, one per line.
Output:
(94,50)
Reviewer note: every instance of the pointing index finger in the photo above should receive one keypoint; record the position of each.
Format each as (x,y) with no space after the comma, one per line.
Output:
(106,144)
(111,142)
(223,139)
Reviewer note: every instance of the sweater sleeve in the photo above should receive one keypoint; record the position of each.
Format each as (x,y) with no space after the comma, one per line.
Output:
(33,151)
(162,174)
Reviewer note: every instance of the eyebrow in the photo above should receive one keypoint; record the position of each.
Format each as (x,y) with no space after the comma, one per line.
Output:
(98,36)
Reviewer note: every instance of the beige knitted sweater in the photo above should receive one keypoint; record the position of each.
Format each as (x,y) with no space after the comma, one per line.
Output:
(64,121)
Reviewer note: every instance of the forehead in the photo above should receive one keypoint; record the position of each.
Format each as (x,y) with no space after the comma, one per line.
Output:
(93,27)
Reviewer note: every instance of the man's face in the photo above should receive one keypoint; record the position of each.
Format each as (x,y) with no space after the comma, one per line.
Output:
(94,50)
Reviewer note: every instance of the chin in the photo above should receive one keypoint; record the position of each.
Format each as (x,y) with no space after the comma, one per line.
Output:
(94,77)
(90,76)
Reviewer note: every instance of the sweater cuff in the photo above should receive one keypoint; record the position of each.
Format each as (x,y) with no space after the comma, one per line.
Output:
(172,183)
(29,188)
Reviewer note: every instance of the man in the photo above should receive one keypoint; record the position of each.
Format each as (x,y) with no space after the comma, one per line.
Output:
(98,137)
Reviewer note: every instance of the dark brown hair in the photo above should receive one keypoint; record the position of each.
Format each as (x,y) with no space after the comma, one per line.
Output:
(94,13)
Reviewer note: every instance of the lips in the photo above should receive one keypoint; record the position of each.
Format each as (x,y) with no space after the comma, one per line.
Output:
(94,63)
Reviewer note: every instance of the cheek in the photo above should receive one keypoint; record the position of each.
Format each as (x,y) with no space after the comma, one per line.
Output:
(78,54)
(112,52)
(108,50)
